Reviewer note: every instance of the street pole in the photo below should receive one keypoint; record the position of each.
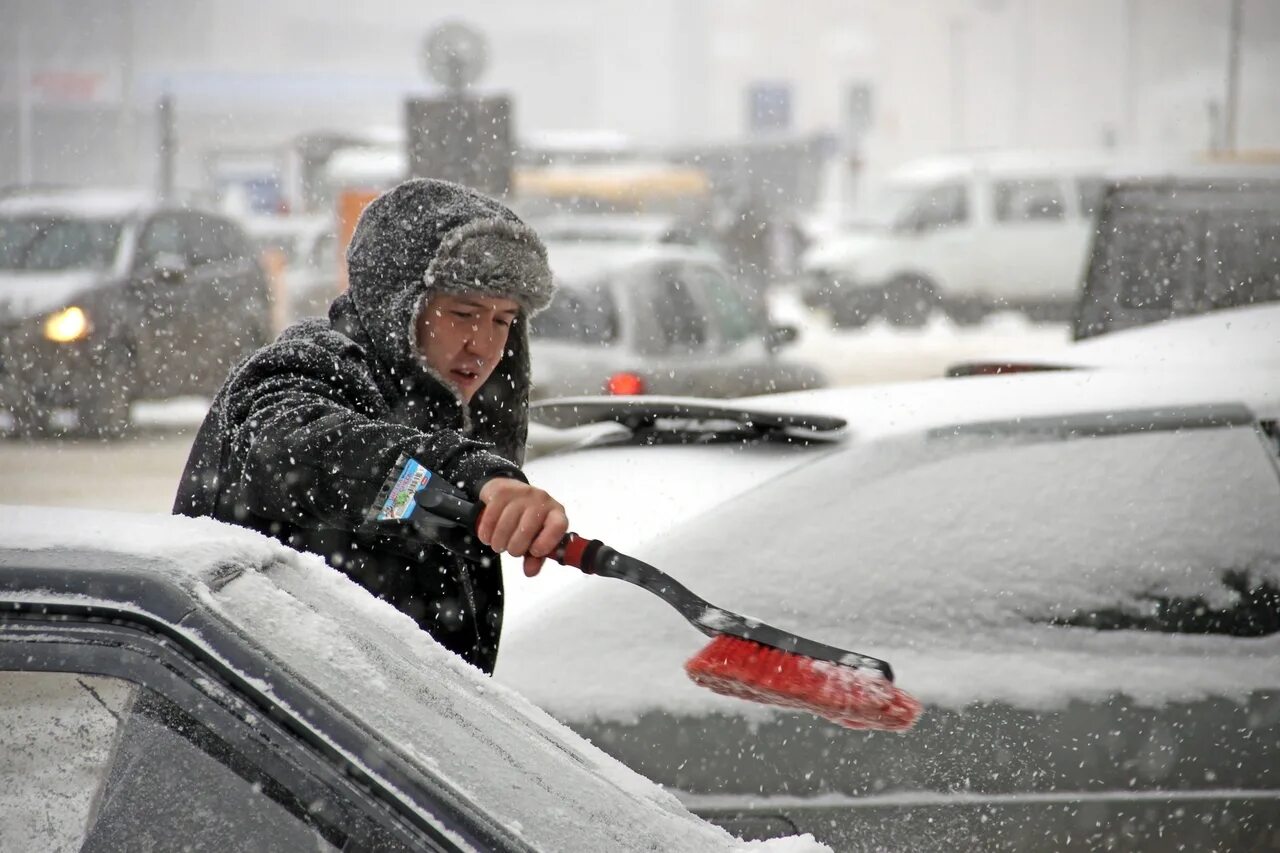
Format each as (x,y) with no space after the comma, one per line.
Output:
(955,50)
(1131,66)
(1231,109)
(168,145)
(23,62)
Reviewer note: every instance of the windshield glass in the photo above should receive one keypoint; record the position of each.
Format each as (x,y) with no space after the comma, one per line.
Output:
(48,243)
(891,205)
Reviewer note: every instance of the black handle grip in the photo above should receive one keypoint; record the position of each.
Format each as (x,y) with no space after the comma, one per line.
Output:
(442,501)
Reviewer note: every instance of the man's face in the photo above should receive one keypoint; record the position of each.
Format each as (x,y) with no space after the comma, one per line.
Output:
(463,336)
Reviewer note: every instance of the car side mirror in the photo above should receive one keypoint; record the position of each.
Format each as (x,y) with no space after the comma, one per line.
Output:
(780,336)
(167,268)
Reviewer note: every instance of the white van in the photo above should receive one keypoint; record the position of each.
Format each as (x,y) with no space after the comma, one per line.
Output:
(968,234)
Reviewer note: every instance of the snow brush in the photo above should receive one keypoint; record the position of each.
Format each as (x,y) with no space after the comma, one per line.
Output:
(746,658)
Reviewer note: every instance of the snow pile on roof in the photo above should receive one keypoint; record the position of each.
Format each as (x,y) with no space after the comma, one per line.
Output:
(946,557)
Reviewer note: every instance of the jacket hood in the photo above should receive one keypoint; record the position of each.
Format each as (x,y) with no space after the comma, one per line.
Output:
(427,236)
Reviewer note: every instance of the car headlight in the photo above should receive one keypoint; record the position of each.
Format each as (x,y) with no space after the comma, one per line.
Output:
(69,324)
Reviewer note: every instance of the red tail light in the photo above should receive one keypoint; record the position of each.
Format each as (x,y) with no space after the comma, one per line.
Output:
(624,384)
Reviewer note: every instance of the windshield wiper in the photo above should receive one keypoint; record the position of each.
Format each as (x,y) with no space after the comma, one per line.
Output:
(676,420)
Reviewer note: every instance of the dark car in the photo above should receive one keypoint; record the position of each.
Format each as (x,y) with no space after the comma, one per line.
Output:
(179,684)
(1177,245)
(106,298)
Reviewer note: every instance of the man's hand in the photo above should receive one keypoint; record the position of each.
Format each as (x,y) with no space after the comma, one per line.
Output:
(521,520)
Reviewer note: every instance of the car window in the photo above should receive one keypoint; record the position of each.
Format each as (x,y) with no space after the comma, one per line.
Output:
(582,314)
(163,236)
(730,311)
(108,765)
(1149,261)
(1089,193)
(1032,200)
(1243,262)
(206,240)
(681,320)
(939,206)
(52,243)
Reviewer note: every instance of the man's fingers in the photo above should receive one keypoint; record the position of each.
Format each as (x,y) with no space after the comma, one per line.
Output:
(554,528)
(504,526)
(533,565)
(526,529)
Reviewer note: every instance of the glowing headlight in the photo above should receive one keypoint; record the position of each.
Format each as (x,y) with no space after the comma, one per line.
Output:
(69,324)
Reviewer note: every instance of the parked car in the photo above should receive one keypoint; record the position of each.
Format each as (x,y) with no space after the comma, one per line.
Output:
(965,234)
(1077,573)
(659,319)
(1182,244)
(110,297)
(305,252)
(1247,336)
(173,683)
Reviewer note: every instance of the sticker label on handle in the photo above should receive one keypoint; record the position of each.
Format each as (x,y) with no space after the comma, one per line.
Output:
(400,502)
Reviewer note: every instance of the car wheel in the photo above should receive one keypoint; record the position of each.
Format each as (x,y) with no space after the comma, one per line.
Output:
(967,313)
(852,315)
(105,395)
(909,302)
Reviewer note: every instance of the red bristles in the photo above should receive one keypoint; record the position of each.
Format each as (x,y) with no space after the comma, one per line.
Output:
(849,696)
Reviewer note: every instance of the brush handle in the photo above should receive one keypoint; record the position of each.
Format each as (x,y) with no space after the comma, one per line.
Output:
(593,557)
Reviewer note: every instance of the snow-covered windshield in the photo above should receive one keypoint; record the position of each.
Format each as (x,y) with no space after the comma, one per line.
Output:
(49,243)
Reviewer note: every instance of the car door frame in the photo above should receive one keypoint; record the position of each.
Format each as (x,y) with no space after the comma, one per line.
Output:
(225,673)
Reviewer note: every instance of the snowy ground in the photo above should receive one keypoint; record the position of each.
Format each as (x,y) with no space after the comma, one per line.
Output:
(141,472)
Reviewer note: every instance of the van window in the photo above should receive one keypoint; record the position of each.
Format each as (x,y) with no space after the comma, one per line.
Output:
(1029,201)
(1244,262)
(936,207)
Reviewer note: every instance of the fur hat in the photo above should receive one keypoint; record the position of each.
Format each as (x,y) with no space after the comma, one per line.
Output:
(454,239)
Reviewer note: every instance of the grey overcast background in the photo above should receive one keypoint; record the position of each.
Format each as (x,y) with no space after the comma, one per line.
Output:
(79,79)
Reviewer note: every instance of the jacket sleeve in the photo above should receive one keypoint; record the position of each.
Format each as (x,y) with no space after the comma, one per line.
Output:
(305,431)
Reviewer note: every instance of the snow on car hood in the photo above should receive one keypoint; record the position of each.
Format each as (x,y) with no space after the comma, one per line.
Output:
(24,295)
(947,564)
(538,779)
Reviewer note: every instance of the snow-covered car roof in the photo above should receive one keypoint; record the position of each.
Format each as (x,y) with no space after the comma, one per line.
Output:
(1248,335)
(945,534)
(438,718)
(86,203)
(581,261)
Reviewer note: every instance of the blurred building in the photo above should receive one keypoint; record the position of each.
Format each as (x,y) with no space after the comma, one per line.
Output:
(79,80)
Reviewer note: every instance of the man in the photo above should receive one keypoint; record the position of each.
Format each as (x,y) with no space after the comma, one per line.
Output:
(424,358)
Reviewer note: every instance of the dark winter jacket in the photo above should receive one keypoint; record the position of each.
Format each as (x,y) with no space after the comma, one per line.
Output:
(305,432)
